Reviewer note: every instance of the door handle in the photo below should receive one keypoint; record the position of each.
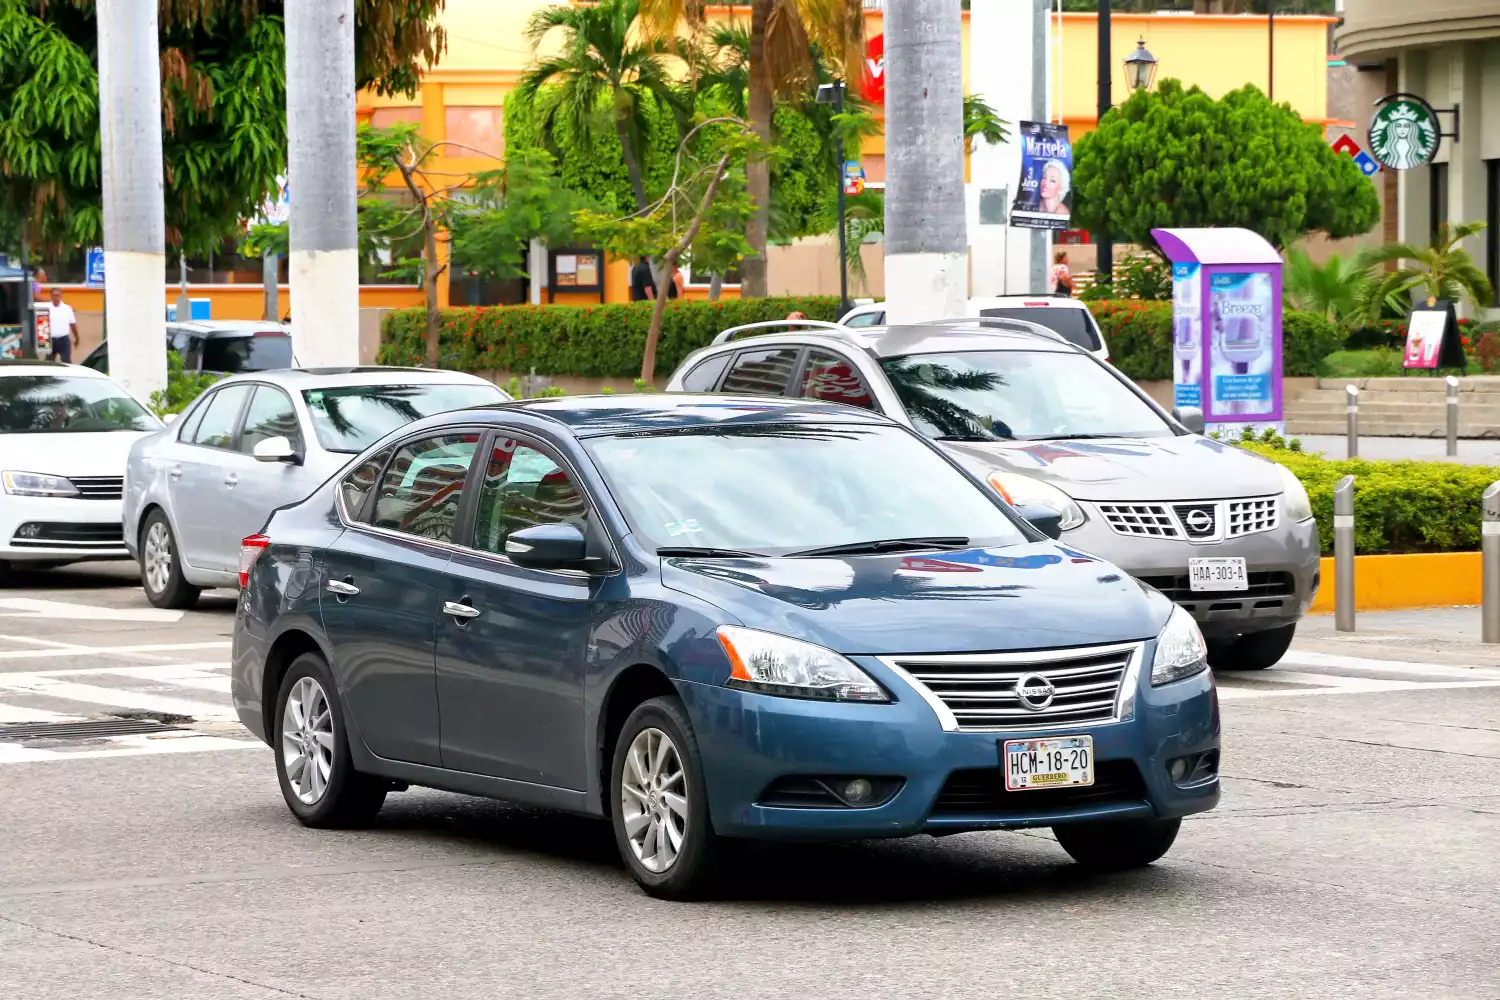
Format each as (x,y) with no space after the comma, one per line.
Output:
(343,588)
(461,611)
(175,472)
(231,479)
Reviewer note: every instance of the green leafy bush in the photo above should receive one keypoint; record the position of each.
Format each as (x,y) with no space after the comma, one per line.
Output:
(182,387)
(603,341)
(1398,506)
(1139,335)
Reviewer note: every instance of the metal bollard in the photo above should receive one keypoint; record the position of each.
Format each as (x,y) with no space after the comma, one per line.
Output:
(1452,416)
(1343,554)
(1353,431)
(1490,559)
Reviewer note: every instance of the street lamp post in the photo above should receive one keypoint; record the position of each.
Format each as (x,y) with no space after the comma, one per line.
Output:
(1140,67)
(1104,265)
(833,93)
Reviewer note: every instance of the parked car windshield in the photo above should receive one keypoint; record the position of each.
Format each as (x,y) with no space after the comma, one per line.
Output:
(53,404)
(779,488)
(1018,395)
(351,418)
(1072,323)
(262,352)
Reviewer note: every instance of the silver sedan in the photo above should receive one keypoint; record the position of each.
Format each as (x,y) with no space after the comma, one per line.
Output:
(253,443)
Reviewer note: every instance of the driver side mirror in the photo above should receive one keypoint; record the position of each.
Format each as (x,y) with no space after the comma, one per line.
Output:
(1190,417)
(548,546)
(1043,519)
(275,449)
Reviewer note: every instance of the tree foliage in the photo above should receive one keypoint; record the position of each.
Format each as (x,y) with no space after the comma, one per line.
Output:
(1177,157)
(223,109)
(1331,289)
(1443,270)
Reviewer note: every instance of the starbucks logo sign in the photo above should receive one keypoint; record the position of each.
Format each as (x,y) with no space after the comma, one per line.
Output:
(1404,132)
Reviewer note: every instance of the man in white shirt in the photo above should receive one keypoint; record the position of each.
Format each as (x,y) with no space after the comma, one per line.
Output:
(64,324)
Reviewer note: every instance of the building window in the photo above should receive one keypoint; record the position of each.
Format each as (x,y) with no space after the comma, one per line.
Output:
(386,117)
(477,129)
(1437,194)
(1492,224)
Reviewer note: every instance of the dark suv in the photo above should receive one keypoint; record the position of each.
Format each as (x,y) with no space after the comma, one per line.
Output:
(226,347)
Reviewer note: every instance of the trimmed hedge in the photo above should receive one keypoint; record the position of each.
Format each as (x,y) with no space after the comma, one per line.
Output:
(1139,334)
(1398,506)
(605,341)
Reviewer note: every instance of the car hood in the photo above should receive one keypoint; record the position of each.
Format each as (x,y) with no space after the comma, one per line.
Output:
(1034,596)
(64,454)
(1188,467)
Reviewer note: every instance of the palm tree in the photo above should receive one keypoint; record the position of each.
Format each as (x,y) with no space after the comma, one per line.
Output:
(606,71)
(1442,271)
(1332,289)
(782,36)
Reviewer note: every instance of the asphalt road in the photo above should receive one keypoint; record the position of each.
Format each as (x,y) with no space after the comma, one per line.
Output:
(1356,854)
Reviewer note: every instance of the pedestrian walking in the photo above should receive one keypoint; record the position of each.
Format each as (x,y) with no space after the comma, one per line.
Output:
(64,323)
(1062,276)
(642,282)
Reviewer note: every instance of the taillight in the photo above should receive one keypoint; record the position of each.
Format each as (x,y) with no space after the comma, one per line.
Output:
(250,550)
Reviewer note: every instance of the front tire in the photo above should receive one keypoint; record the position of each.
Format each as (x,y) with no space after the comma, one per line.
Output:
(313,763)
(161,566)
(659,803)
(1256,651)
(1113,847)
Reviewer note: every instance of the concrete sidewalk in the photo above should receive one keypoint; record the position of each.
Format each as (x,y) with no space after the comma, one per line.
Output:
(1429,635)
(1471,451)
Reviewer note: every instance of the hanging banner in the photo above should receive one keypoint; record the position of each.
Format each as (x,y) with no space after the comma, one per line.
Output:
(874,75)
(1187,322)
(1044,197)
(1242,307)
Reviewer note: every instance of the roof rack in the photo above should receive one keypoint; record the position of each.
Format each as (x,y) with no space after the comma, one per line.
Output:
(1000,323)
(778,324)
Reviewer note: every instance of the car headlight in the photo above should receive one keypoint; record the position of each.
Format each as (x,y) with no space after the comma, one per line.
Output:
(37,484)
(1180,650)
(1298,507)
(775,664)
(1018,489)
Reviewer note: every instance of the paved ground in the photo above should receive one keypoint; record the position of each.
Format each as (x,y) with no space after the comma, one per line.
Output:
(1472,451)
(1354,855)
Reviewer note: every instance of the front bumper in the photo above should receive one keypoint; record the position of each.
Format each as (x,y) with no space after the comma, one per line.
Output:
(1282,565)
(58,529)
(748,741)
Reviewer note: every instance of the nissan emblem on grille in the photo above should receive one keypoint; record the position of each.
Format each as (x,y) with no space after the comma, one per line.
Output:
(1035,692)
(1200,521)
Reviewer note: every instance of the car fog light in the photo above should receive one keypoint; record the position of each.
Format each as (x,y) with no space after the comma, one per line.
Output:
(857,791)
(1178,769)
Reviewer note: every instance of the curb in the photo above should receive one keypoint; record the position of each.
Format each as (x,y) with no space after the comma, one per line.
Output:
(1416,580)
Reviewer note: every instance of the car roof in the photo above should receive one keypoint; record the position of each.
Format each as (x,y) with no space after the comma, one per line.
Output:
(595,416)
(212,328)
(333,378)
(26,366)
(1028,301)
(962,334)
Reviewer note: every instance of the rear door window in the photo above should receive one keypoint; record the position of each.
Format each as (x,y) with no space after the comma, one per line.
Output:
(357,485)
(764,372)
(832,378)
(705,375)
(1074,324)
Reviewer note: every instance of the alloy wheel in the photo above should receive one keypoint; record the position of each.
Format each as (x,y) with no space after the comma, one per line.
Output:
(307,740)
(156,556)
(653,800)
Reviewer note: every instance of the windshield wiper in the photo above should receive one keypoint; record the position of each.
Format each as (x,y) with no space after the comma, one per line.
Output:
(706,552)
(974,437)
(886,545)
(1079,437)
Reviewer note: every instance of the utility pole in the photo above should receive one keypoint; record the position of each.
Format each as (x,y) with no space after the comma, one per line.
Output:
(270,274)
(324,260)
(1271,49)
(135,234)
(1104,268)
(926,234)
(1041,239)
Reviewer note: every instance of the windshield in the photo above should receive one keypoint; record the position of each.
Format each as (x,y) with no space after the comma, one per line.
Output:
(1072,323)
(989,395)
(773,489)
(353,417)
(52,404)
(262,352)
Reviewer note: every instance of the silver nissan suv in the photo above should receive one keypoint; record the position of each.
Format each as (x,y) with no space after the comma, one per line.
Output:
(1223,532)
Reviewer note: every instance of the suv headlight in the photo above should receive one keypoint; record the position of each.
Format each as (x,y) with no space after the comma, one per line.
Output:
(1180,650)
(37,484)
(1298,507)
(1018,489)
(776,664)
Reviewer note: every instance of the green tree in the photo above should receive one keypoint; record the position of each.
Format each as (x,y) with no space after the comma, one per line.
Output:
(981,122)
(1443,271)
(1331,289)
(607,72)
(1177,157)
(223,109)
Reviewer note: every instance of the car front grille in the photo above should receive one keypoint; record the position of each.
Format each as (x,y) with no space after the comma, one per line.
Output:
(1265,584)
(1196,521)
(982,790)
(82,536)
(99,487)
(981,691)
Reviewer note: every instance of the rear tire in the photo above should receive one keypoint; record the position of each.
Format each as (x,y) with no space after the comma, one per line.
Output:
(1255,651)
(1113,847)
(313,763)
(659,804)
(161,566)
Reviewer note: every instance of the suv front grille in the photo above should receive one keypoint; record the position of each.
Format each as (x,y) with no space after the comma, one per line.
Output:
(99,487)
(1247,517)
(980,690)
(982,790)
(1200,521)
(1151,520)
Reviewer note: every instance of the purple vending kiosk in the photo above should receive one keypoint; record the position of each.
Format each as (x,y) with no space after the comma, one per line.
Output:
(1226,326)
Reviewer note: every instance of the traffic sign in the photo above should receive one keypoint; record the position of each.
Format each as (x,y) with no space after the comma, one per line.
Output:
(93,267)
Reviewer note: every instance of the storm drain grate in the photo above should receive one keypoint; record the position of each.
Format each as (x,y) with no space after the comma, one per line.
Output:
(82,730)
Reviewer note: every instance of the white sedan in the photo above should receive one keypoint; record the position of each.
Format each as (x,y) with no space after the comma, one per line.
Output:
(65,434)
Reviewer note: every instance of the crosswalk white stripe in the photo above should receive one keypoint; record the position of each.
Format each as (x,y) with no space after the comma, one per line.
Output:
(1369,665)
(1370,687)
(71,650)
(106,697)
(11,753)
(16,713)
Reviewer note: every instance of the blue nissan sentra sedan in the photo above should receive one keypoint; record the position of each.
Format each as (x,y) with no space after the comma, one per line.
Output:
(707,619)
